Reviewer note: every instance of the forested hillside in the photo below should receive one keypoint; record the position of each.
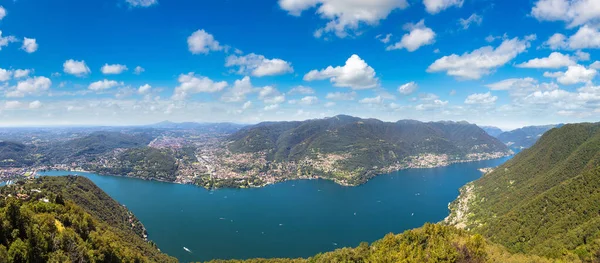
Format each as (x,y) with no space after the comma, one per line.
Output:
(524,137)
(545,200)
(69,219)
(13,154)
(368,142)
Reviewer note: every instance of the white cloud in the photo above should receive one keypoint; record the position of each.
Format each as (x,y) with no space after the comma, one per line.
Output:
(271,95)
(555,60)
(258,65)
(408,88)
(77,68)
(11,105)
(201,42)
(309,100)
(35,104)
(573,12)
(419,36)
(138,70)
(436,6)
(355,74)
(586,37)
(301,90)
(595,65)
(103,85)
(144,89)
(21,73)
(574,74)
(374,100)
(2,12)
(583,56)
(271,107)
(330,104)
(5,75)
(435,104)
(29,45)
(30,86)
(191,84)
(473,19)
(141,3)
(384,39)
(239,90)
(344,16)
(512,83)
(481,99)
(4,41)
(341,95)
(113,69)
(481,61)
(556,41)
(247,105)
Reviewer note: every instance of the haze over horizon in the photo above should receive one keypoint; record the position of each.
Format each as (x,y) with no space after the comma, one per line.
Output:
(138,62)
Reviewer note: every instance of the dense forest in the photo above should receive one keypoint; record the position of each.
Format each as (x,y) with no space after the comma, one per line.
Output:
(370,142)
(69,219)
(546,200)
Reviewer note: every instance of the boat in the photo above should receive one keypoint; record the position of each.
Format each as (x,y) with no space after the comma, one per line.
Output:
(187,249)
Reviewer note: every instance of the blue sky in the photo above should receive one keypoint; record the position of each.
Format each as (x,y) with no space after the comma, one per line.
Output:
(505,63)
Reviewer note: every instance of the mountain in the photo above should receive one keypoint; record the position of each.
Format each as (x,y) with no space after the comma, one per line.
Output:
(14,154)
(359,148)
(524,137)
(69,219)
(544,201)
(491,130)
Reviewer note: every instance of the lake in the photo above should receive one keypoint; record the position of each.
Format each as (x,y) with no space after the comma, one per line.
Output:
(290,219)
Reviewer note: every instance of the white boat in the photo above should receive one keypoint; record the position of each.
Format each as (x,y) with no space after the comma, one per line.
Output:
(187,249)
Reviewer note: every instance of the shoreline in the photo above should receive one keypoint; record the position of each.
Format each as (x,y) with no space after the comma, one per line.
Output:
(335,180)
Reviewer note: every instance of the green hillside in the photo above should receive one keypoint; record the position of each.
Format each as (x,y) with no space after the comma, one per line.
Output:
(69,219)
(144,162)
(13,154)
(369,142)
(545,200)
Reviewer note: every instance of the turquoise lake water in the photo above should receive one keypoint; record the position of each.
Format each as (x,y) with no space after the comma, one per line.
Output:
(290,219)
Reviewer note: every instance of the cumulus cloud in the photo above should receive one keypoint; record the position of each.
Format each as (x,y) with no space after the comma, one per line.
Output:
(344,16)
(573,12)
(595,65)
(2,12)
(138,70)
(308,100)
(35,104)
(271,95)
(239,90)
(5,75)
(76,68)
(341,95)
(586,37)
(431,105)
(103,85)
(481,99)
(482,61)
(144,89)
(11,105)
(29,45)
(355,74)
(373,100)
(408,88)
(301,90)
(419,36)
(191,84)
(258,65)
(4,41)
(574,74)
(30,86)
(141,3)
(21,73)
(555,60)
(113,69)
(247,105)
(473,19)
(436,6)
(271,107)
(201,42)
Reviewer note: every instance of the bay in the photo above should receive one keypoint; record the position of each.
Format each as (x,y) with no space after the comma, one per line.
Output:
(289,219)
